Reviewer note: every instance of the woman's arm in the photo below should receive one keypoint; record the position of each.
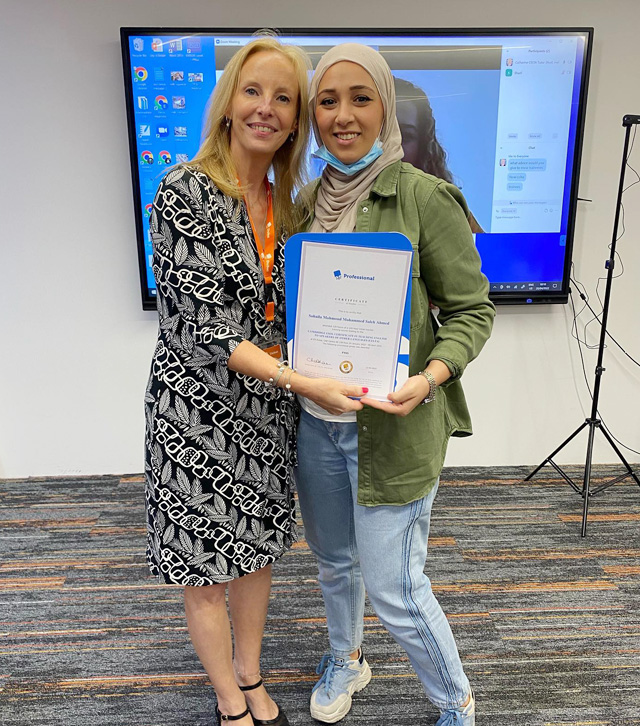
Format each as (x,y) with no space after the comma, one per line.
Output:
(413,392)
(331,395)
(195,314)
(450,267)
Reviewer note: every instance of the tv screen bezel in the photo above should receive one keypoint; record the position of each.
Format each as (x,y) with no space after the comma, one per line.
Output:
(504,297)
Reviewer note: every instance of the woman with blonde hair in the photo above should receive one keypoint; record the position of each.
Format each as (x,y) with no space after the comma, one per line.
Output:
(220,421)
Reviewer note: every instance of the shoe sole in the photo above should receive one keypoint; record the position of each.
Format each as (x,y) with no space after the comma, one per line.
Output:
(324,715)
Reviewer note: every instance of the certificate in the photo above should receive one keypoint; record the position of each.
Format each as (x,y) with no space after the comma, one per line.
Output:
(348,308)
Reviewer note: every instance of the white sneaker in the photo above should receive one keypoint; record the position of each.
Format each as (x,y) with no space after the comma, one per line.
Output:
(341,678)
(460,716)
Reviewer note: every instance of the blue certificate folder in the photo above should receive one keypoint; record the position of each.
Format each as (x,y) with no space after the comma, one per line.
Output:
(339,282)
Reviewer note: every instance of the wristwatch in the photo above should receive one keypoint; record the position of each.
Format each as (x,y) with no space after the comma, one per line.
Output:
(433,386)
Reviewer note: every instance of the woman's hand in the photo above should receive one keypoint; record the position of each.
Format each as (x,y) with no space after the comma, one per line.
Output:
(332,395)
(403,401)
(414,391)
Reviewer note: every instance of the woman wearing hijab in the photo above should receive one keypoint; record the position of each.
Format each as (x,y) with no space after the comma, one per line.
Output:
(367,480)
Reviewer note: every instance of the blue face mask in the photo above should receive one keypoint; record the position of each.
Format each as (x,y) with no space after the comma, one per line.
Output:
(350,169)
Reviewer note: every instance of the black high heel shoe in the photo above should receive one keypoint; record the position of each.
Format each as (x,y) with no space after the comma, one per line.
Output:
(222,717)
(280,720)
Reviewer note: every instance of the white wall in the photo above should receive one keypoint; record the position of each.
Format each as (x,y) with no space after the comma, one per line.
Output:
(75,343)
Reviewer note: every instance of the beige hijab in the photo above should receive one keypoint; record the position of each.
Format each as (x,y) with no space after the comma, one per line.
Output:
(338,194)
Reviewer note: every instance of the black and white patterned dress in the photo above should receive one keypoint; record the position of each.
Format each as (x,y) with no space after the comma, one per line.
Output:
(219,445)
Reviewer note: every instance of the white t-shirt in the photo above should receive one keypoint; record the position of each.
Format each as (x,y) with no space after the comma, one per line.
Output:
(319,412)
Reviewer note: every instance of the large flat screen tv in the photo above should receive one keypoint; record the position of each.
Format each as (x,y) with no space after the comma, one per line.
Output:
(508,105)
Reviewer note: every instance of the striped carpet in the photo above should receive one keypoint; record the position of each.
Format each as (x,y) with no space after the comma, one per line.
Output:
(548,623)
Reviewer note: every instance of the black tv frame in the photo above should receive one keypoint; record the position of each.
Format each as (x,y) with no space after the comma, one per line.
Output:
(498,297)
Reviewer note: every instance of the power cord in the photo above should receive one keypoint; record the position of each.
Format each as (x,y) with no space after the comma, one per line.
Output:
(574,333)
(596,316)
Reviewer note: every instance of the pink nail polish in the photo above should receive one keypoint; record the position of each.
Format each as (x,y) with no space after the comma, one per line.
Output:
(365,389)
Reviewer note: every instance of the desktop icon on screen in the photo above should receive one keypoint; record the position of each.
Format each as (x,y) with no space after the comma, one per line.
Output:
(140,74)
(161,103)
(196,77)
(138,45)
(162,130)
(156,45)
(194,45)
(180,132)
(144,130)
(177,75)
(175,46)
(164,157)
(158,74)
(143,103)
(147,157)
(182,158)
(179,102)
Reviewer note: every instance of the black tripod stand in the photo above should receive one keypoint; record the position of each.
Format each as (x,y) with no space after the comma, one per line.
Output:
(593,422)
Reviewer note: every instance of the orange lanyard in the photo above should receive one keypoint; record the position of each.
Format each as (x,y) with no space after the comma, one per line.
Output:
(266,250)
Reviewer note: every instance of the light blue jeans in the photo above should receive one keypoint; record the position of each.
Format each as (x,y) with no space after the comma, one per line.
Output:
(381,549)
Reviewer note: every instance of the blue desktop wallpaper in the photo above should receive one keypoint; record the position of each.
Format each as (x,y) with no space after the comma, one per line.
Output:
(172,78)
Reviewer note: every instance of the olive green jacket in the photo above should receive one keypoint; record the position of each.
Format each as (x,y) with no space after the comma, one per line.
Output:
(400,458)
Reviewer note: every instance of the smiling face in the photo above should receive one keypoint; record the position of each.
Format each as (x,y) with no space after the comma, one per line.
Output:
(264,106)
(348,110)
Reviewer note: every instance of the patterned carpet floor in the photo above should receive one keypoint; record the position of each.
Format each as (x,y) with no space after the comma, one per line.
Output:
(548,623)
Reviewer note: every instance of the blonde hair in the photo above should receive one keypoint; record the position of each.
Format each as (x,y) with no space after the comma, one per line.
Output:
(214,155)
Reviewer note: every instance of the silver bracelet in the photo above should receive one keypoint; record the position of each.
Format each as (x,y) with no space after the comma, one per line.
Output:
(288,383)
(433,386)
(283,368)
(273,383)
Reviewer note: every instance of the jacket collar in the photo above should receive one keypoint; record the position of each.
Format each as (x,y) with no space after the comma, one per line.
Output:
(386,184)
